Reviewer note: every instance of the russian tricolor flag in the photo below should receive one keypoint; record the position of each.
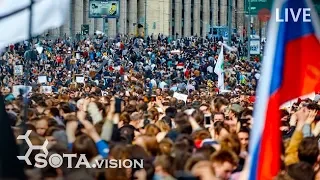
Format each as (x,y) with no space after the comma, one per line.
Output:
(291,68)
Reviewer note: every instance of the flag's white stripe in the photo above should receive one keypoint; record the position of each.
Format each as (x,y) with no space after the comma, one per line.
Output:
(264,83)
(314,18)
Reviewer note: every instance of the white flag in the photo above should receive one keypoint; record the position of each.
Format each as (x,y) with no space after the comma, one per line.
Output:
(14,18)
(218,69)
(229,48)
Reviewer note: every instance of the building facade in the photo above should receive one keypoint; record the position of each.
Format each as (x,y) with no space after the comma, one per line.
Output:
(177,18)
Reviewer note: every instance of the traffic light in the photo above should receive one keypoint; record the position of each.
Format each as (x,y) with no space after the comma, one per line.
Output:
(85,29)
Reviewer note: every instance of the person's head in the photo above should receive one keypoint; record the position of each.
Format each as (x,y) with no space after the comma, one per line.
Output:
(9,107)
(171,112)
(248,115)
(42,125)
(64,109)
(124,119)
(41,106)
(151,130)
(201,134)
(219,116)
(163,126)
(220,129)
(87,89)
(54,112)
(149,143)
(56,135)
(219,104)
(194,159)
(224,162)
(163,166)
(235,111)
(153,114)
(85,145)
(231,142)
(308,150)
(165,146)
(135,120)
(118,152)
(301,171)
(284,114)
(243,136)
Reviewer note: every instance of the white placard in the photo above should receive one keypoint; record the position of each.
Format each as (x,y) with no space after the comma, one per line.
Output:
(46,89)
(180,96)
(255,46)
(42,79)
(18,70)
(16,90)
(78,55)
(80,79)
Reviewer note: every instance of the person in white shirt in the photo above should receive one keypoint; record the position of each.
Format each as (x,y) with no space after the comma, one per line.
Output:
(162,84)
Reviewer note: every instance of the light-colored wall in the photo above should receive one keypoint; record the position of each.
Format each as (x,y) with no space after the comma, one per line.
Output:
(178,17)
(158,12)
(112,27)
(196,17)
(215,10)
(133,17)
(187,18)
(206,17)
(123,17)
(223,12)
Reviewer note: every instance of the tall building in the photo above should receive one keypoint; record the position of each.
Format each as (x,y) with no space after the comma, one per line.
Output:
(169,17)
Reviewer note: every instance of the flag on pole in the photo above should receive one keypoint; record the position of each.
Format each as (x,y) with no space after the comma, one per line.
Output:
(229,48)
(218,69)
(291,68)
(14,18)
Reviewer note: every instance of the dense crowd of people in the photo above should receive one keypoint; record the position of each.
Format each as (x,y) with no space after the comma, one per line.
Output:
(155,99)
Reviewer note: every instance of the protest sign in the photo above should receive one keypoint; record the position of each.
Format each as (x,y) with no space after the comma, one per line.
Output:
(180,96)
(16,90)
(42,79)
(46,89)
(79,78)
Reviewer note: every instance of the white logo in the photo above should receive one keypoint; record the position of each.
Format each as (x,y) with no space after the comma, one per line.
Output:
(295,15)
(56,160)
(32,147)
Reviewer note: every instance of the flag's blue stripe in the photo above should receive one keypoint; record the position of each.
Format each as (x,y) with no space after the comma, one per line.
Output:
(288,31)
(255,158)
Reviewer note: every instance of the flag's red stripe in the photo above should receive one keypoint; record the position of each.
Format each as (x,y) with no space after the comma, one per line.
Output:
(301,76)
(301,71)
(269,157)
